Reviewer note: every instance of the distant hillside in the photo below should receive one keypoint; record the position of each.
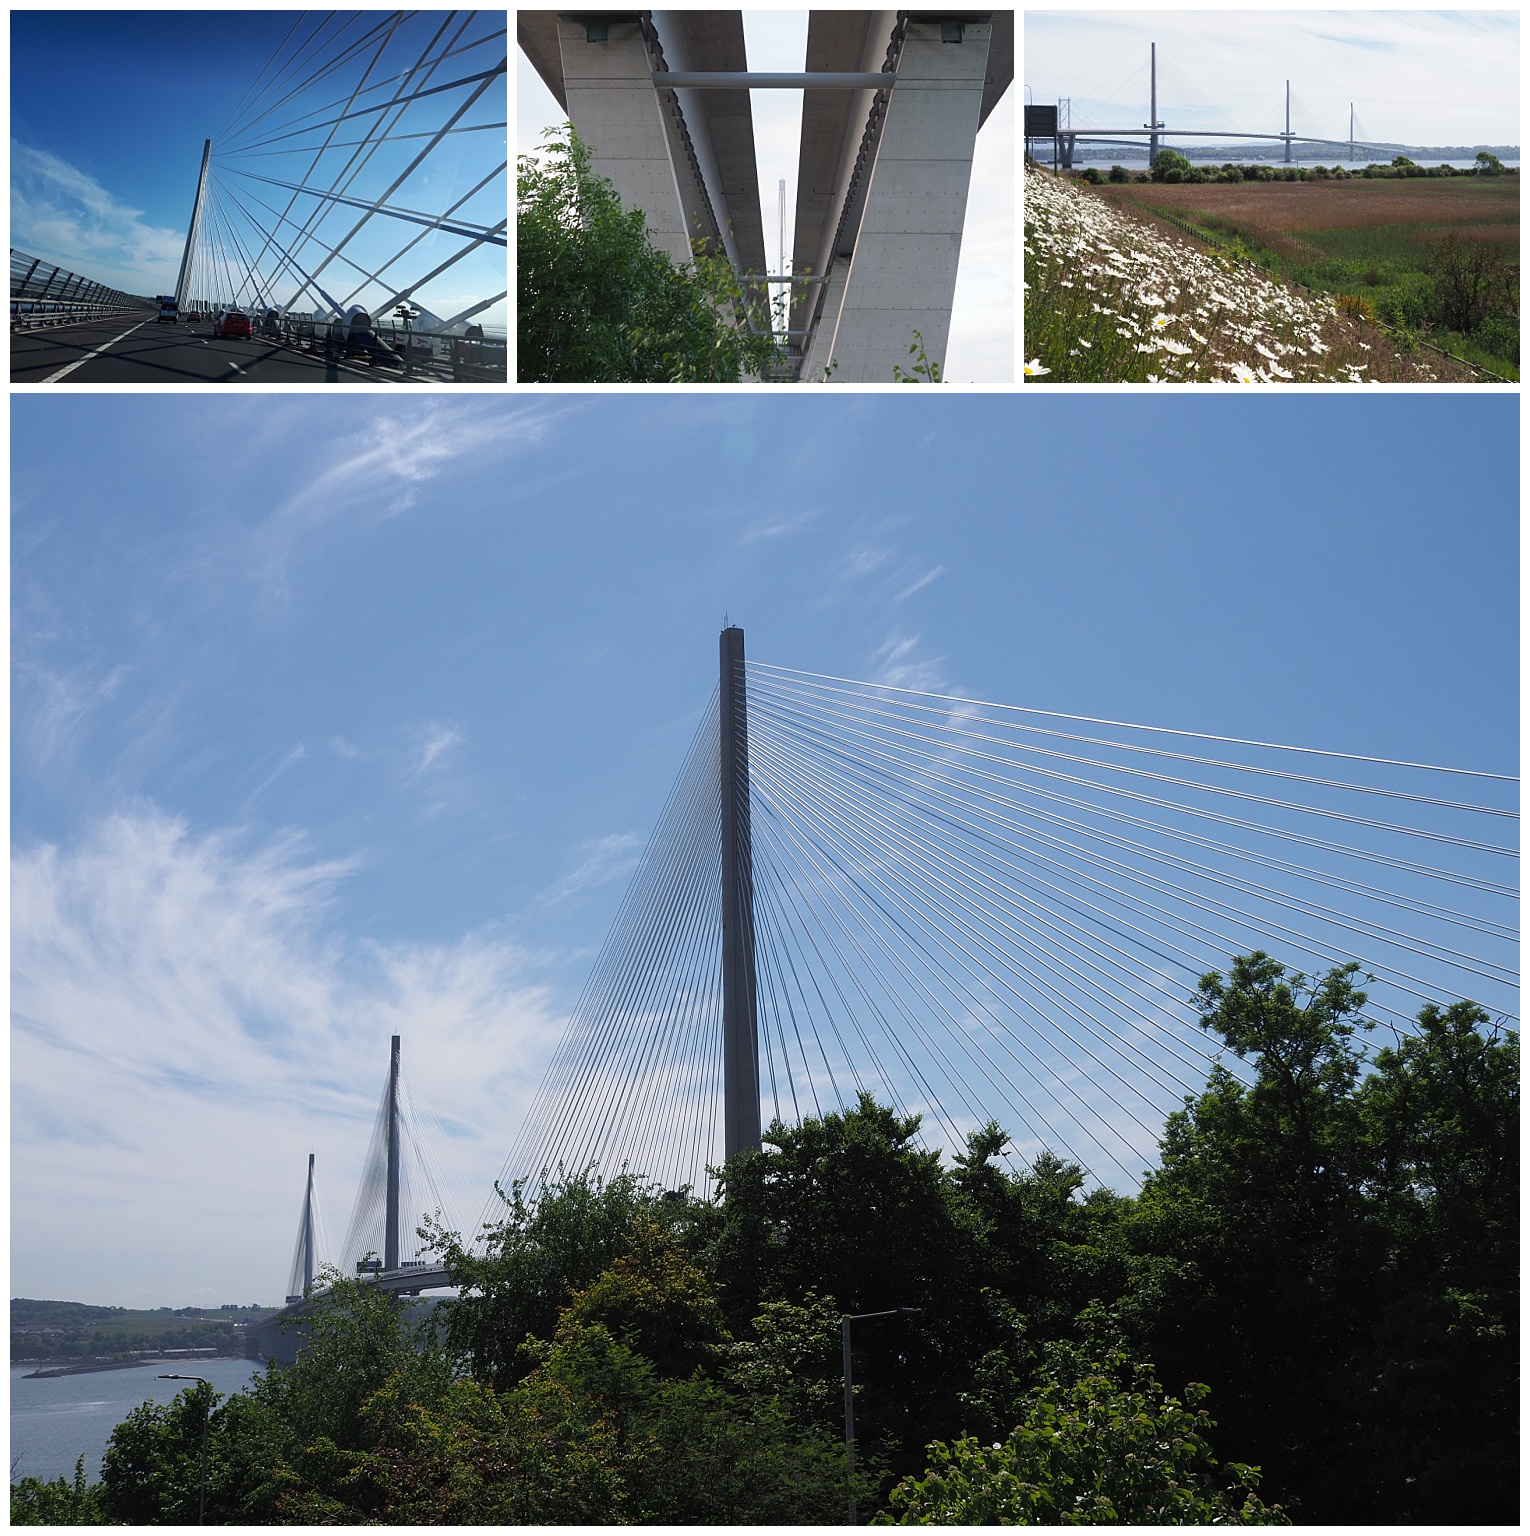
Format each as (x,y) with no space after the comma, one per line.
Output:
(70,1331)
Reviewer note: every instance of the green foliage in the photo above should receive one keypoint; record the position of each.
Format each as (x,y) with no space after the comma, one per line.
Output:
(535,1258)
(1170,165)
(597,303)
(1488,164)
(64,1501)
(924,369)
(1329,1245)
(1119,173)
(1098,1442)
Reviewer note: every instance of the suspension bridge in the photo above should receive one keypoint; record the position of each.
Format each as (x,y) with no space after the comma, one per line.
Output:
(347,221)
(1053,124)
(892,105)
(975,912)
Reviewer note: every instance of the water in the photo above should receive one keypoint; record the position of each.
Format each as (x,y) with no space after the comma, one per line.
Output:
(57,1420)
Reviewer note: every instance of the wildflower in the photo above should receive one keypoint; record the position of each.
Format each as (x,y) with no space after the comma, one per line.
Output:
(1241,375)
(1160,322)
(1034,370)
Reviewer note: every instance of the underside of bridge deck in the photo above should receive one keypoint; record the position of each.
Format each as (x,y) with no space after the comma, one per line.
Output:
(883,173)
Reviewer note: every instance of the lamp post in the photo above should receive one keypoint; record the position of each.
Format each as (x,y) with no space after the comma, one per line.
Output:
(406,313)
(844,1339)
(206,1411)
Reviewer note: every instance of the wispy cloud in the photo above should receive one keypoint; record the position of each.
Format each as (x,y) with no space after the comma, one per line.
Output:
(375,472)
(898,664)
(65,215)
(603,859)
(53,712)
(920,582)
(436,741)
(187,1028)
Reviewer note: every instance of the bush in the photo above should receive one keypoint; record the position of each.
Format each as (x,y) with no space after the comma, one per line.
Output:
(1118,173)
(1091,175)
(1473,279)
(597,302)
(1169,165)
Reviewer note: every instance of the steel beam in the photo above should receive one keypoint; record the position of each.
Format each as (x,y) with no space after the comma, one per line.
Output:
(741,1065)
(757,80)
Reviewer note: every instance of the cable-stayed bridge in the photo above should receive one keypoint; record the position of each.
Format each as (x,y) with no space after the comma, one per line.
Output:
(1054,123)
(352,209)
(977,911)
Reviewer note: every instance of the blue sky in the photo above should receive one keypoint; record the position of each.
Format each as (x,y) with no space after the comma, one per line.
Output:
(1415,77)
(109,111)
(339,718)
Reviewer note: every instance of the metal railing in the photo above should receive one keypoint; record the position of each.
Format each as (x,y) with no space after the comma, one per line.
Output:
(405,354)
(43,294)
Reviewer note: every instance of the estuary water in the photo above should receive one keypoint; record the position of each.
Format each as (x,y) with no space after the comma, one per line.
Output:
(56,1420)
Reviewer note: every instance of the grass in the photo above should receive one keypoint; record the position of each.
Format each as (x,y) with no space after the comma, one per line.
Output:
(1371,238)
(1113,298)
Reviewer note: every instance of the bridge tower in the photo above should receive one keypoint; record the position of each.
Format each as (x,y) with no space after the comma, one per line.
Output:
(390,1228)
(741,1062)
(1153,122)
(300,1281)
(195,227)
(1287,134)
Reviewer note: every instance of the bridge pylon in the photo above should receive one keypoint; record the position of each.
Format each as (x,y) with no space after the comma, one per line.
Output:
(741,1056)
(194,229)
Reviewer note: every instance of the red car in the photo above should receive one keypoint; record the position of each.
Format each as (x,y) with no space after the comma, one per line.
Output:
(233,322)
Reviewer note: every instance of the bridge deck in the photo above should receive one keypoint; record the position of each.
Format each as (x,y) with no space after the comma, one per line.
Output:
(122,350)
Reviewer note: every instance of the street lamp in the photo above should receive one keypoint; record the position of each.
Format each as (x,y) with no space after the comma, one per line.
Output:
(206,1411)
(406,313)
(844,1339)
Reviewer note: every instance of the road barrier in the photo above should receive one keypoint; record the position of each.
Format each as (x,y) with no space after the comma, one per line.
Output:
(43,295)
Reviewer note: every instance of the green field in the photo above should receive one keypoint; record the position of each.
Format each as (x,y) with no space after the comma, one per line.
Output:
(1436,259)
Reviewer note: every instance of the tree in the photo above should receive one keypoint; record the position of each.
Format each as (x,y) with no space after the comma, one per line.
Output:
(64,1501)
(1489,164)
(1170,165)
(532,1261)
(1098,1442)
(598,303)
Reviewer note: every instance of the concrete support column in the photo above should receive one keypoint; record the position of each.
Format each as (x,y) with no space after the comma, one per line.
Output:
(819,350)
(902,277)
(613,104)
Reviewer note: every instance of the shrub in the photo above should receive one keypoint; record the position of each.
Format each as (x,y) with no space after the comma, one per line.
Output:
(1472,279)
(1356,305)
(1169,165)
(1091,175)
(1118,173)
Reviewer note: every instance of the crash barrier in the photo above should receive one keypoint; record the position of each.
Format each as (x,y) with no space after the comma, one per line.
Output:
(43,294)
(394,351)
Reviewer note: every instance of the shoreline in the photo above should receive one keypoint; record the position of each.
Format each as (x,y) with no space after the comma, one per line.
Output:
(85,1368)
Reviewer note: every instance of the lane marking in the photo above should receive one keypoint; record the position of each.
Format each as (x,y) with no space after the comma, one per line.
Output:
(64,372)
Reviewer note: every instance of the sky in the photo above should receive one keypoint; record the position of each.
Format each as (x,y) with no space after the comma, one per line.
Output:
(109,111)
(1415,77)
(338,718)
(982,343)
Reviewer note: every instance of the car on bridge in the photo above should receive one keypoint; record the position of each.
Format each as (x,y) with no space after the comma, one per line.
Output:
(233,322)
(167,309)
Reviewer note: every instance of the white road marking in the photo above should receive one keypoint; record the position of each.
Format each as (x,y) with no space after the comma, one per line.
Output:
(64,372)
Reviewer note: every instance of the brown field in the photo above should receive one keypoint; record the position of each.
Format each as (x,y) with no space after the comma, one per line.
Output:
(1273,212)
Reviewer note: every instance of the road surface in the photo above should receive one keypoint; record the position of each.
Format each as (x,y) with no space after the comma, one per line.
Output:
(128,350)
